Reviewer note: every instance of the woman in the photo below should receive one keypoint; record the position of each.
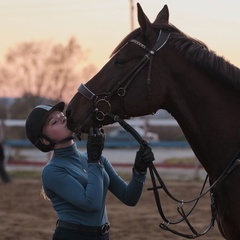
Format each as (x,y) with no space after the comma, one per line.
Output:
(76,182)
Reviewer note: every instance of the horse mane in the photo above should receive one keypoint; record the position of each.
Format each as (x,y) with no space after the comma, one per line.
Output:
(196,52)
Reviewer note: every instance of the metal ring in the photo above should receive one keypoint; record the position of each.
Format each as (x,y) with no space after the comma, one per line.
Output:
(121,92)
(100,115)
(104,101)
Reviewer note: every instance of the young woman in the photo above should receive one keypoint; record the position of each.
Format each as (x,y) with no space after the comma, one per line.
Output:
(75,182)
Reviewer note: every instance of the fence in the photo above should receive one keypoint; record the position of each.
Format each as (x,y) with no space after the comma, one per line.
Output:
(14,146)
(143,123)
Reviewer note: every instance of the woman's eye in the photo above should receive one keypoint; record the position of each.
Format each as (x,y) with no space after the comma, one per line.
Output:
(53,122)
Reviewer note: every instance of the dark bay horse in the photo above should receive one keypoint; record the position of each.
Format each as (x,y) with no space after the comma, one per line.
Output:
(159,67)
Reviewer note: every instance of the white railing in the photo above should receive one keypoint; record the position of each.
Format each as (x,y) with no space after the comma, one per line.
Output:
(132,122)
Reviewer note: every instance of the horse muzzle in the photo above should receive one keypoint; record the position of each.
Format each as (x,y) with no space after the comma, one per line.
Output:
(90,121)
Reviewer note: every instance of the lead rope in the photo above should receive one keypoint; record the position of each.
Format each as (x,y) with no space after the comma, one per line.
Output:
(154,174)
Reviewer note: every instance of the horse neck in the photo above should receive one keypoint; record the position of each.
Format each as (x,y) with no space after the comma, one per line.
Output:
(208,113)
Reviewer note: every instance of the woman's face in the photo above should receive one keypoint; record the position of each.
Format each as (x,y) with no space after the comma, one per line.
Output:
(55,127)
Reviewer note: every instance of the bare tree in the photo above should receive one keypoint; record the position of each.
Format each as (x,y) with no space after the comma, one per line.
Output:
(45,69)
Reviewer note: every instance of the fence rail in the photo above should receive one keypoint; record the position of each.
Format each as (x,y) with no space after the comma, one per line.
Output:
(132,122)
(21,143)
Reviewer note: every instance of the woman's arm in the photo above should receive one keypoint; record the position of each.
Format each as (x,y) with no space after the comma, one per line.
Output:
(59,181)
(127,193)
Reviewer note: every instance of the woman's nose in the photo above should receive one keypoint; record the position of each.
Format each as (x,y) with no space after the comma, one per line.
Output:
(62,118)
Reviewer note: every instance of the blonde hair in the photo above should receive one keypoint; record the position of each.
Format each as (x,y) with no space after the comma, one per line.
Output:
(43,194)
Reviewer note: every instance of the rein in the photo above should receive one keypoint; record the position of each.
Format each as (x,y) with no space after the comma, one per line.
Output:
(154,174)
(184,216)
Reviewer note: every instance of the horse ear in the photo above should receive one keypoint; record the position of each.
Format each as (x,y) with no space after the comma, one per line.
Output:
(163,15)
(143,20)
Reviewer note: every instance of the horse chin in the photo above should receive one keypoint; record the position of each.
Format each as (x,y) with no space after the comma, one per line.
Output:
(88,123)
(91,122)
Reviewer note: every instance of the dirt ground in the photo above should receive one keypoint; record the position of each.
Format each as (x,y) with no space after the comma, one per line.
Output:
(24,215)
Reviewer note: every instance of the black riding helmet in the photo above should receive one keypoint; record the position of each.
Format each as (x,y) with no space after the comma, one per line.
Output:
(35,122)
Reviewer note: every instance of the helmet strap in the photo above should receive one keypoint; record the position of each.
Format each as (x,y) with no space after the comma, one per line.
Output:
(52,143)
(65,140)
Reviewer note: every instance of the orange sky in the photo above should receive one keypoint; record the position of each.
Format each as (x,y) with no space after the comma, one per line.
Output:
(100,25)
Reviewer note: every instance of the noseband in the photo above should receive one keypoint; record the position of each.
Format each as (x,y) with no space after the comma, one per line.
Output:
(120,88)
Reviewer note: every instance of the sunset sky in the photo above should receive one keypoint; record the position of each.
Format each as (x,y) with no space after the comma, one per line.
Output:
(100,25)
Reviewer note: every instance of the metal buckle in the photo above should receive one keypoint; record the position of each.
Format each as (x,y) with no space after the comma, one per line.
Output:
(105,228)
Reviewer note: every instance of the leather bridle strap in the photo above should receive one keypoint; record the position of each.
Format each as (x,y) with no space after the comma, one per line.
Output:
(86,92)
(161,41)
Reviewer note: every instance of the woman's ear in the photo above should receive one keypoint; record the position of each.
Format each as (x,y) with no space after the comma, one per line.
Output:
(44,141)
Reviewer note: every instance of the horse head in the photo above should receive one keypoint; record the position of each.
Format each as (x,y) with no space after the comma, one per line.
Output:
(112,89)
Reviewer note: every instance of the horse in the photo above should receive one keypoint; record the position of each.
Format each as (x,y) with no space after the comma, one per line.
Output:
(157,66)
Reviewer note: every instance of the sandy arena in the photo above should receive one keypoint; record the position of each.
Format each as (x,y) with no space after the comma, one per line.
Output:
(26,216)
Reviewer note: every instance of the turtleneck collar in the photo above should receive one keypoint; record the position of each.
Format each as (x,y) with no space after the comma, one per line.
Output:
(66,151)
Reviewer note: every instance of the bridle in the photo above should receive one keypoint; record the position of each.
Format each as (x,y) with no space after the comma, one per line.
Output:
(103,99)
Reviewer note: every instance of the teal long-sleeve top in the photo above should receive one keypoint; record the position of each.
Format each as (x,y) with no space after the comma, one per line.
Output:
(77,189)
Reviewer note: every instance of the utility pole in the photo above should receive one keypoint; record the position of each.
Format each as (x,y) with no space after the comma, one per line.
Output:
(131,15)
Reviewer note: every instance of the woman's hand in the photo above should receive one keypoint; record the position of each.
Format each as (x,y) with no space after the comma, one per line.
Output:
(95,144)
(143,158)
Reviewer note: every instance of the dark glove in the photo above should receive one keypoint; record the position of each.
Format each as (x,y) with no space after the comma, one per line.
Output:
(143,158)
(95,144)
